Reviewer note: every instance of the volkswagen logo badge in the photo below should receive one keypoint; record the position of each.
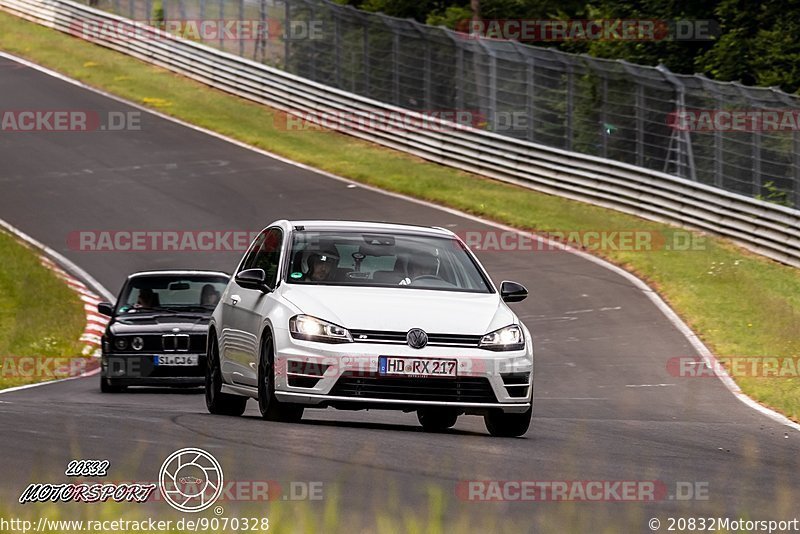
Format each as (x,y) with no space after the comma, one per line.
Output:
(416,338)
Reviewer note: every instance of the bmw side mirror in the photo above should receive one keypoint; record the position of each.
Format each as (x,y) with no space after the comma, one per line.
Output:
(106,308)
(512,292)
(252,279)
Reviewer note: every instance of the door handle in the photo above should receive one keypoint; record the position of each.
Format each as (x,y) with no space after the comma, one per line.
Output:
(235,299)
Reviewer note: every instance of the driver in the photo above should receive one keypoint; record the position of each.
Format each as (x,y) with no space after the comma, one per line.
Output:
(422,265)
(321,265)
(146,299)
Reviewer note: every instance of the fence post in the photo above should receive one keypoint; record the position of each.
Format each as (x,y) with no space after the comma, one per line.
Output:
(287,37)
(604,115)
(570,89)
(366,59)
(639,125)
(682,138)
(757,163)
(241,18)
(796,154)
(395,67)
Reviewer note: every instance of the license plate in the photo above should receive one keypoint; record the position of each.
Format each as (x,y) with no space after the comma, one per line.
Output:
(419,367)
(177,359)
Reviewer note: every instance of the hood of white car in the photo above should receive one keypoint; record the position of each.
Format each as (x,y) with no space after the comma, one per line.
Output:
(401,309)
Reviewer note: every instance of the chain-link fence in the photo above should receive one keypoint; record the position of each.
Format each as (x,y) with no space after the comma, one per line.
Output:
(645,116)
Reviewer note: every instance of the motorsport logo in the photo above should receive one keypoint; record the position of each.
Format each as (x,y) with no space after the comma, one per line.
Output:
(89,493)
(190,480)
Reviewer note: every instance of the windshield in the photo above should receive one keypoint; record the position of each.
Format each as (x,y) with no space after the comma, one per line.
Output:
(172,292)
(384,260)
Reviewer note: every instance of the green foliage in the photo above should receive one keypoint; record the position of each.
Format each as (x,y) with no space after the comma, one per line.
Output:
(757,43)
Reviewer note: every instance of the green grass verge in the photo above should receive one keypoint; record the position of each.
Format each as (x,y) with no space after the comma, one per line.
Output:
(40,318)
(739,303)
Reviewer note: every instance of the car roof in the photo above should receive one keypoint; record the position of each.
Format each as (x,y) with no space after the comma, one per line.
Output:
(371,226)
(178,272)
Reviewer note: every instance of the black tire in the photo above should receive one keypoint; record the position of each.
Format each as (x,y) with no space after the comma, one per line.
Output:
(272,409)
(436,419)
(217,402)
(508,425)
(108,386)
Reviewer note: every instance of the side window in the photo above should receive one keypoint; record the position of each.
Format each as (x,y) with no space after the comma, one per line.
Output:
(250,256)
(267,254)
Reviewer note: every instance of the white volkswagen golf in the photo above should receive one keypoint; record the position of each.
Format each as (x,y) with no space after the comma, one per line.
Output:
(357,315)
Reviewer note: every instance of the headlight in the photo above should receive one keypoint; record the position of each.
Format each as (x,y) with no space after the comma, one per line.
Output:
(507,338)
(120,343)
(313,329)
(137,343)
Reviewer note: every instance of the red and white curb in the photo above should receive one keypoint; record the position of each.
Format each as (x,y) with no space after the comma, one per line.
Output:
(95,323)
(88,290)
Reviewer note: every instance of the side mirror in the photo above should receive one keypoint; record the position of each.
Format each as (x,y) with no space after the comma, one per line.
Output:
(512,292)
(252,279)
(106,308)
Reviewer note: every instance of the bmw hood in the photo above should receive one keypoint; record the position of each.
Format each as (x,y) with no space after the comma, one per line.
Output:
(401,309)
(160,324)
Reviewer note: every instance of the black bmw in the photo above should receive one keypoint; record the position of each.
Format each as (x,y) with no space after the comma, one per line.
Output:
(158,328)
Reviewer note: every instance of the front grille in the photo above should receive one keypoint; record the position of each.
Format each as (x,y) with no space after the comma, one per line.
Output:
(399,338)
(175,342)
(155,344)
(460,389)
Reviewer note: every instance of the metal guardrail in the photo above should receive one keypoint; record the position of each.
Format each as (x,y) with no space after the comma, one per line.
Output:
(769,229)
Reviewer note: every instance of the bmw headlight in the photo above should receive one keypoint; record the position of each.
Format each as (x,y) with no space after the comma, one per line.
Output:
(120,343)
(313,329)
(507,338)
(137,343)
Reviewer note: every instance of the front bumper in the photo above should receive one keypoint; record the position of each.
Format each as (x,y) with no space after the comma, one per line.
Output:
(346,376)
(141,370)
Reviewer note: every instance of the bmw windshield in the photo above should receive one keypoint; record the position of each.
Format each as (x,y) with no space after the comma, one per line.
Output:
(383,260)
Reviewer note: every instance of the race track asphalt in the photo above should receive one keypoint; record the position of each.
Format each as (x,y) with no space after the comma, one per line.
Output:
(606,407)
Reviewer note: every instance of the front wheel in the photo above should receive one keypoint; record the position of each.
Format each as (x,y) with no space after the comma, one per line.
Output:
(508,425)
(272,409)
(217,402)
